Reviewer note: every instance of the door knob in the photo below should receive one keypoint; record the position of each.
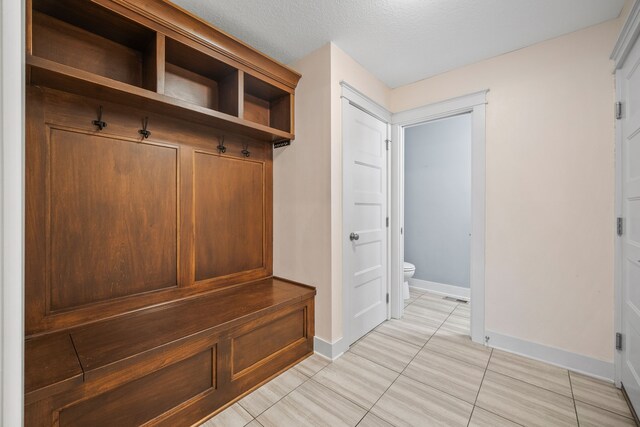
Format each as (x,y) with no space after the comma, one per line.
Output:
(354,236)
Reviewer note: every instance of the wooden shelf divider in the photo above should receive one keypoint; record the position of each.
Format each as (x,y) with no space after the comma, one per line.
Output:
(44,72)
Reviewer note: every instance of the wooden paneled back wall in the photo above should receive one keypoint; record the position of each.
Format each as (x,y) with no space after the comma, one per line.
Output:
(117,222)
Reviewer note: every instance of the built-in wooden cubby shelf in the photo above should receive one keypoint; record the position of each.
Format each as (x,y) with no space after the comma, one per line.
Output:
(99,52)
(149,288)
(267,104)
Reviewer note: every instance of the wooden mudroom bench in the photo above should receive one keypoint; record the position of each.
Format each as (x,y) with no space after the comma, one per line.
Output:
(172,364)
(149,288)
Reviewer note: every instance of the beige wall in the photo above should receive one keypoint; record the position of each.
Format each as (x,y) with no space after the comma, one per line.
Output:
(549,186)
(302,189)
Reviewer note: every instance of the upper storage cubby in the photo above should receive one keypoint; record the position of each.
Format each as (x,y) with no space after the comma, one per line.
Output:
(91,38)
(200,79)
(152,55)
(266,104)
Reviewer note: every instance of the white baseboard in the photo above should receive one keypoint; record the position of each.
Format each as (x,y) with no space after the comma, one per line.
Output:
(441,288)
(555,356)
(329,350)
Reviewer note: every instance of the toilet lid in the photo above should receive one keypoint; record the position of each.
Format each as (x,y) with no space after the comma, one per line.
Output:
(409,266)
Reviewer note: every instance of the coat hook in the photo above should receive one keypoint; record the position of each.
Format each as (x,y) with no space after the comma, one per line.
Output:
(144,132)
(245,150)
(99,123)
(221,147)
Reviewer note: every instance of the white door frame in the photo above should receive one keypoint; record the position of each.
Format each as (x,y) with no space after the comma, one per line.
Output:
(475,104)
(12,211)
(628,35)
(351,96)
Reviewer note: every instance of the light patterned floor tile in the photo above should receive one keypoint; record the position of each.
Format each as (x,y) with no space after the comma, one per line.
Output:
(412,329)
(254,423)
(356,378)
(482,418)
(416,292)
(525,403)
(460,347)
(233,416)
(261,399)
(531,371)
(599,393)
(457,324)
(421,311)
(376,346)
(590,416)
(452,376)
(411,403)
(435,304)
(312,404)
(312,364)
(462,310)
(371,420)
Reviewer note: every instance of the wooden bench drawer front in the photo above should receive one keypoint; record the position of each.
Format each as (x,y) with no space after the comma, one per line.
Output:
(148,397)
(257,343)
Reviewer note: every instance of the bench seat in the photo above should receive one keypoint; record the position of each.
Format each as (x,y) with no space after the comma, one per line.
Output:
(194,355)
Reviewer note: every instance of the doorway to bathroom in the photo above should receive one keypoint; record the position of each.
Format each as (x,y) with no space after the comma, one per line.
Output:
(438,203)
(437,206)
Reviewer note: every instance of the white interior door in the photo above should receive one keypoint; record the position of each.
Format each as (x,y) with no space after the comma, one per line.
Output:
(629,90)
(365,220)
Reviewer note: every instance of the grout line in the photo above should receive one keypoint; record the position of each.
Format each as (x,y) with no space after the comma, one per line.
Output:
(475,403)
(478,392)
(499,416)
(595,405)
(533,385)
(343,396)
(605,410)
(285,395)
(473,408)
(394,381)
(575,408)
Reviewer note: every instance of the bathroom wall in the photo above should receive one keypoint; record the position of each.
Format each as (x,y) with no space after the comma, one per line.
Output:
(438,200)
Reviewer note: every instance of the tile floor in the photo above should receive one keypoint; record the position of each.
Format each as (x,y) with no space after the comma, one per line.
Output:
(423,370)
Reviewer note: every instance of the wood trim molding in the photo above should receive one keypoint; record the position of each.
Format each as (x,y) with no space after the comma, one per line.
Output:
(629,33)
(163,12)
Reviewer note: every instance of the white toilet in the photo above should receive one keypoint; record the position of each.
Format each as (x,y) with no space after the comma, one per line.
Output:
(409,271)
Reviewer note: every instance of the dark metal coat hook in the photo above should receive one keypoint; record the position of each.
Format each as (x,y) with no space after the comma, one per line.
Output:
(245,150)
(144,132)
(221,147)
(99,123)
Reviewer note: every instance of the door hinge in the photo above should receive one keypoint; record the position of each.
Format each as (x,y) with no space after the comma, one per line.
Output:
(387,298)
(387,142)
(618,110)
(387,222)
(619,228)
(618,341)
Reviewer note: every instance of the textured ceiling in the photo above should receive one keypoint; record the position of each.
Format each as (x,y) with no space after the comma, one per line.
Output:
(401,41)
